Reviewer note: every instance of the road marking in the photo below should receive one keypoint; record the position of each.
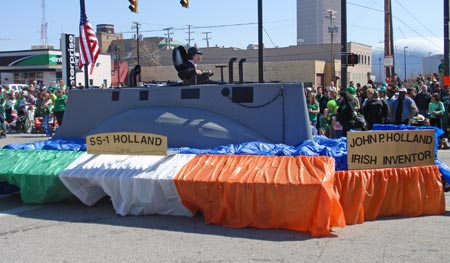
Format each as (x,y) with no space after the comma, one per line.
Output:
(16,211)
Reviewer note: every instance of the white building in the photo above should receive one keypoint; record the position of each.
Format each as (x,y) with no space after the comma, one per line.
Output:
(410,55)
(431,63)
(312,25)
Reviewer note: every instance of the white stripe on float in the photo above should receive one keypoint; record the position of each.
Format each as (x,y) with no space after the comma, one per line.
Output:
(137,185)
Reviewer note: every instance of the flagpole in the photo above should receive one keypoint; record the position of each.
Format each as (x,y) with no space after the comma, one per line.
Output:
(86,74)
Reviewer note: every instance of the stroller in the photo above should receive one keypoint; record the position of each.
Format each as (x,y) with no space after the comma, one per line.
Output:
(17,124)
(39,126)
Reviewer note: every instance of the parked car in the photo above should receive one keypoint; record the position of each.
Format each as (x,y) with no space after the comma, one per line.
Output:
(16,87)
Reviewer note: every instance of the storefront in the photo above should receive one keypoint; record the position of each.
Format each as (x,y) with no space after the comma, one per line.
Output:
(46,66)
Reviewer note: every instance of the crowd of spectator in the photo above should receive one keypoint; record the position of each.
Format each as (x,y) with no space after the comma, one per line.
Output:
(35,108)
(333,111)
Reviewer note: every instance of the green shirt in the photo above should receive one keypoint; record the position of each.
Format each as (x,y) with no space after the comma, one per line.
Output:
(60,103)
(436,106)
(312,115)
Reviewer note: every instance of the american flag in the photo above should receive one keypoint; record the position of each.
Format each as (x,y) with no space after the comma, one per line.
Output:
(89,48)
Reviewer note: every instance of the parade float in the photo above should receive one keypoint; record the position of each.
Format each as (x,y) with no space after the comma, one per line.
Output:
(240,154)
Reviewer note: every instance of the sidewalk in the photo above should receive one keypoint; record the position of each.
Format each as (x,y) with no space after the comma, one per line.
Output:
(13,138)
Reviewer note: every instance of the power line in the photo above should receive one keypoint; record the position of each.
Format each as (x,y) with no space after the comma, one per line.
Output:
(417,20)
(412,29)
(399,20)
(194,27)
(366,7)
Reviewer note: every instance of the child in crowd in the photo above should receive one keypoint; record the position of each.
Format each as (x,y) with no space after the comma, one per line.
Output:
(13,119)
(327,124)
(29,121)
(338,129)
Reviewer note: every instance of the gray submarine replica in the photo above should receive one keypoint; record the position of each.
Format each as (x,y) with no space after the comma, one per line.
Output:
(196,116)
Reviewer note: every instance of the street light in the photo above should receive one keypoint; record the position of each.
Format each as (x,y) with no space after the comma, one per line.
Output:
(404,59)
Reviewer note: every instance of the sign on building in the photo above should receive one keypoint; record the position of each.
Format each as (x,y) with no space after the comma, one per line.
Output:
(69,59)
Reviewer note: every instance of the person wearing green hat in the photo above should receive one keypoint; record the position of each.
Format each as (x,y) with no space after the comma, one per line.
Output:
(335,127)
(382,93)
(352,91)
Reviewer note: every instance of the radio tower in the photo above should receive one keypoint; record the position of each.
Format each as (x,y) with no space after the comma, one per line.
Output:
(43,26)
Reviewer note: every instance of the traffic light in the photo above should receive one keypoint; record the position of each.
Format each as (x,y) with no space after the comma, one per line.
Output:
(184,3)
(133,6)
(352,59)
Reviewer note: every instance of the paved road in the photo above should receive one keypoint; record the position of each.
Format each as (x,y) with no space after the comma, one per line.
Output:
(73,232)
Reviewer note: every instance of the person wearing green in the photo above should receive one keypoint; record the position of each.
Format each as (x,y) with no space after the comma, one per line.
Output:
(46,108)
(20,105)
(436,109)
(2,116)
(60,106)
(313,108)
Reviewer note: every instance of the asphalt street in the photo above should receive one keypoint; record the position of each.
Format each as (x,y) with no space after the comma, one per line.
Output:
(72,232)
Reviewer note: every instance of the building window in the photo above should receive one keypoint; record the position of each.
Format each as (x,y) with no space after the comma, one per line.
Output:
(24,75)
(28,77)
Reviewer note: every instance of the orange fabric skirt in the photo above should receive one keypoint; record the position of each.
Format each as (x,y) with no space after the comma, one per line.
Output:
(369,194)
(292,192)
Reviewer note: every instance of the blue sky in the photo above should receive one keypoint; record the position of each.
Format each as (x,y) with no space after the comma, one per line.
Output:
(22,20)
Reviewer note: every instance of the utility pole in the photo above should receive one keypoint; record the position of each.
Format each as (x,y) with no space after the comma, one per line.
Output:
(169,34)
(404,62)
(331,15)
(138,39)
(189,35)
(343,42)
(388,41)
(207,38)
(446,40)
(136,26)
(117,69)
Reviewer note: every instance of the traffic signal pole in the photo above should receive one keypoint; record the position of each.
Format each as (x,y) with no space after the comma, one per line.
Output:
(260,43)
(343,42)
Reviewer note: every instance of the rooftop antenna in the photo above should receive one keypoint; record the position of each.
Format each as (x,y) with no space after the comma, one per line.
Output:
(43,25)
